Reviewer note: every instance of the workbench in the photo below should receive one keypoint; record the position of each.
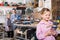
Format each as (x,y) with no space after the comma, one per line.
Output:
(29,26)
(33,25)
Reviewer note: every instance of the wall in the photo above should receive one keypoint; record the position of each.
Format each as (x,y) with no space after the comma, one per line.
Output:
(5,10)
(46,3)
(17,1)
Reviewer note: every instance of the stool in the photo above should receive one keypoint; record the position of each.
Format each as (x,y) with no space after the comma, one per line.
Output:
(22,33)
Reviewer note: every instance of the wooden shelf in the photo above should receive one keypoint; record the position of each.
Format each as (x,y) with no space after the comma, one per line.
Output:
(55,8)
(9,6)
(13,6)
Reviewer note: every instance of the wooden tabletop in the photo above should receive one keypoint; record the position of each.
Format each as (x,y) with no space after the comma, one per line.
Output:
(33,25)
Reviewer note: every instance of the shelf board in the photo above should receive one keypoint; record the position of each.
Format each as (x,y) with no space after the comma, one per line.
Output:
(13,6)
(9,6)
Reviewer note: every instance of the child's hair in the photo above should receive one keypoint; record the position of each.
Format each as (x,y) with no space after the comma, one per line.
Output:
(43,10)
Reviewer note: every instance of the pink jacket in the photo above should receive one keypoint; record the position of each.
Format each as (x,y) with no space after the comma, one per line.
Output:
(42,29)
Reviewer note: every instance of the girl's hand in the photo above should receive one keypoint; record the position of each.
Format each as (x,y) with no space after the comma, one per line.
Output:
(48,33)
(54,33)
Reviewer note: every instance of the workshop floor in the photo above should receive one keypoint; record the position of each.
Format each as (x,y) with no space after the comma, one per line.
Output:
(58,37)
(6,39)
(17,39)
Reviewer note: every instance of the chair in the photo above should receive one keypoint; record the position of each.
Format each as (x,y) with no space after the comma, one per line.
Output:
(2,31)
(25,33)
(17,31)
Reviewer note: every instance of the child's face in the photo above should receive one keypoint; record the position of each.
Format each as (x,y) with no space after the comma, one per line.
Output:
(13,11)
(8,15)
(46,15)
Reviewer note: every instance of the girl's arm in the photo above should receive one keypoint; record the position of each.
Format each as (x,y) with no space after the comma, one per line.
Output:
(39,32)
(54,33)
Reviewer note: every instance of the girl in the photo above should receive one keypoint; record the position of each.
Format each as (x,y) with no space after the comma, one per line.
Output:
(44,28)
(8,25)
